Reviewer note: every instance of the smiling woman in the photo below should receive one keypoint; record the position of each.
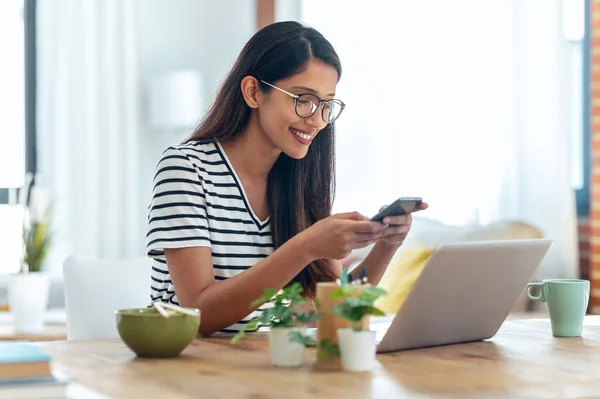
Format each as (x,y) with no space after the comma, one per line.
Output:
(245,203)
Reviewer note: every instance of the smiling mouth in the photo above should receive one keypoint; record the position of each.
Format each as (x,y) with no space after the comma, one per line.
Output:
(301,135)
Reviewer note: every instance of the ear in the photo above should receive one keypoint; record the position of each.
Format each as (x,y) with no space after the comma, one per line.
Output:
(250,91)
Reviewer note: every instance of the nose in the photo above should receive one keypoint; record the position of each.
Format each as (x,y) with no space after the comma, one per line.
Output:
(316,120)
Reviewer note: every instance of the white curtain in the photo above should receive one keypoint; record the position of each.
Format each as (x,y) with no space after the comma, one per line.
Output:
(466,103)
(12,95)
(89,125)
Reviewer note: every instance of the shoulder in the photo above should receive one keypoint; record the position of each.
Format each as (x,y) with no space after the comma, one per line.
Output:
(193,153)
(206,147)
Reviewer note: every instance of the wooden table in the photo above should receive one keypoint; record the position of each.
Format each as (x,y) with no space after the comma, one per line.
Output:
(522,361)
(55,328)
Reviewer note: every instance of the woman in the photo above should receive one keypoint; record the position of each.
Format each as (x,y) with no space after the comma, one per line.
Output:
(245,203)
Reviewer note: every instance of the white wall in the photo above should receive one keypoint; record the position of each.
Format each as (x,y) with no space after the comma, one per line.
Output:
(288,10)
(202,34)
(205,35)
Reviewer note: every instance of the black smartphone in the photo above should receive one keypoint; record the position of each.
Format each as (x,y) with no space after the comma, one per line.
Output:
(401,206)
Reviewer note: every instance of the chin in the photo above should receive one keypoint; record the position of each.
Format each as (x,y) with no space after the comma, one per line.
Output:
(296,153)
(294,149)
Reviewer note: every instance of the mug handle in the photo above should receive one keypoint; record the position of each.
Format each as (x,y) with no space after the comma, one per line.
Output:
(539,298)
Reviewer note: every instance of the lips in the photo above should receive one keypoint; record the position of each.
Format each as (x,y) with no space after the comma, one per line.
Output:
(302,134)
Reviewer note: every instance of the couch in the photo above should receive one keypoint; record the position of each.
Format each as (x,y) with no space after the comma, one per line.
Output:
(425,235)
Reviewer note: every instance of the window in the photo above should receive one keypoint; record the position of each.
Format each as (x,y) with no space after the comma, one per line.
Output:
(17,118)
(426,113)
(432,96)
(17,79)
(582,141)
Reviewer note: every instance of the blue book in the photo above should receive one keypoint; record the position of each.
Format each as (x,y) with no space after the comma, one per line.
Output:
(23,360)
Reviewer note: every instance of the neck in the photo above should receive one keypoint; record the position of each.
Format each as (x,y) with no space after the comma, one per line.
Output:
(251,152)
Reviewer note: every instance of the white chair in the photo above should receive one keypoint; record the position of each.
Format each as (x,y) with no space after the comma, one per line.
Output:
(95,288)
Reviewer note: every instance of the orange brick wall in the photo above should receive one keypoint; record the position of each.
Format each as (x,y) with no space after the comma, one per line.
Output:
(584,248)
(584,253)
(594,221)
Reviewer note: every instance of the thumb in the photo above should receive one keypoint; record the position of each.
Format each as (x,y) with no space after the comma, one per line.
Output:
(351,216)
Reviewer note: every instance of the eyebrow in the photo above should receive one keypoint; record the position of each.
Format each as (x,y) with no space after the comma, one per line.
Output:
(311,90)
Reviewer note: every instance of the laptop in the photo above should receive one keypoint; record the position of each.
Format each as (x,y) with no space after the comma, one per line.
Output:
(463,294)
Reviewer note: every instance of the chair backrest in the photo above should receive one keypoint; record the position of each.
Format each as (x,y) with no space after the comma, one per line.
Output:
(95,288)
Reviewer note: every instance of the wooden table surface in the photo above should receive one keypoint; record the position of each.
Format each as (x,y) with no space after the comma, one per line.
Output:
(51,332)
(522,361)
(55,328)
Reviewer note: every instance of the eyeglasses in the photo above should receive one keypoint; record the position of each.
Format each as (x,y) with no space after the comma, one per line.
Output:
(307,104)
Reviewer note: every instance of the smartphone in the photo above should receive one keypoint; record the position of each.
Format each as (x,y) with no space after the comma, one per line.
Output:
(401,206)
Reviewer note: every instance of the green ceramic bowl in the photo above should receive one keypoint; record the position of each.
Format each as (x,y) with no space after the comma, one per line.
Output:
(149,334)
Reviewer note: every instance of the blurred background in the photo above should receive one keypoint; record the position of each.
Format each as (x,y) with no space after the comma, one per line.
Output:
(483,108)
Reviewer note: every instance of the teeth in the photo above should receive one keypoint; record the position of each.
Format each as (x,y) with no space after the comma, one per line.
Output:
(301,135)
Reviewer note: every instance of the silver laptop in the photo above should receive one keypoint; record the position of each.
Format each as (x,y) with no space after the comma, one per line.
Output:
(463,294)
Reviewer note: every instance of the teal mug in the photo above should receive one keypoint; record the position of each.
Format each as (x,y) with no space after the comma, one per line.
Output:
(566,301)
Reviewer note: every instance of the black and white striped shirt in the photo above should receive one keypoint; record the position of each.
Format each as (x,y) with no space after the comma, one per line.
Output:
(198,201)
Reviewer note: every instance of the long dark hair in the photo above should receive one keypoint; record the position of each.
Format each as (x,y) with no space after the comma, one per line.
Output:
(300,192)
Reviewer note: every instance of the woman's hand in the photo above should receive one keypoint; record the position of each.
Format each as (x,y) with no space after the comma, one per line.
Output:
(336,236)
(396,228)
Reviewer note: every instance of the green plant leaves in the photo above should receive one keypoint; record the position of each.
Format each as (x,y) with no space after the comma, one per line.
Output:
(309,317)
(344,277)
(298,337)
(37,240)
(373,311)
(283,313)
(251,325)
(372,293)
(358,303)
(344,291)
(269,293)
(327,349)
(350,312)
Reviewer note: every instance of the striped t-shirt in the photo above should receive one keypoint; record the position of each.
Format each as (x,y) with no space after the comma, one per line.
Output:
(198,201)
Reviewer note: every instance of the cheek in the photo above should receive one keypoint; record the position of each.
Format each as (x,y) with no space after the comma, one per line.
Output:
(276,118)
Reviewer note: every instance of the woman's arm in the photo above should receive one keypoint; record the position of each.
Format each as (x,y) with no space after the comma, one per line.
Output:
(376,262)
(226,302)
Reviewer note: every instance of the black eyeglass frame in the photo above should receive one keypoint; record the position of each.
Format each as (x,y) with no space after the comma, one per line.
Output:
(320,101)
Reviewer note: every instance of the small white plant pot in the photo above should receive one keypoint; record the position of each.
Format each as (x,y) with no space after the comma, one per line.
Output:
(28,299)
(357,349)
(283,352)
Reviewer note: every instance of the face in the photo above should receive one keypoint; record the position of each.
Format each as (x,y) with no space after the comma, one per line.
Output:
(277,116)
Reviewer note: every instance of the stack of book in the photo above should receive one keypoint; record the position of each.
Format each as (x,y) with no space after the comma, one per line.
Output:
(25,372)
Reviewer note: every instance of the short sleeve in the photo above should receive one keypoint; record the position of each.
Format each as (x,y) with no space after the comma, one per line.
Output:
(177,215)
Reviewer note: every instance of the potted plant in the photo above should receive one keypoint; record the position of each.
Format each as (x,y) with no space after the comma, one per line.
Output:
(28,289)
(357,343)
(287,325)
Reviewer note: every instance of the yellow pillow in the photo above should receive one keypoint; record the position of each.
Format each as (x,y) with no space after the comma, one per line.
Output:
(400,276)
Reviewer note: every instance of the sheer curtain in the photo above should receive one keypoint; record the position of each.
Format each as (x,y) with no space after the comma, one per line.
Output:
(463,102)
(89,129)
(12,95)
